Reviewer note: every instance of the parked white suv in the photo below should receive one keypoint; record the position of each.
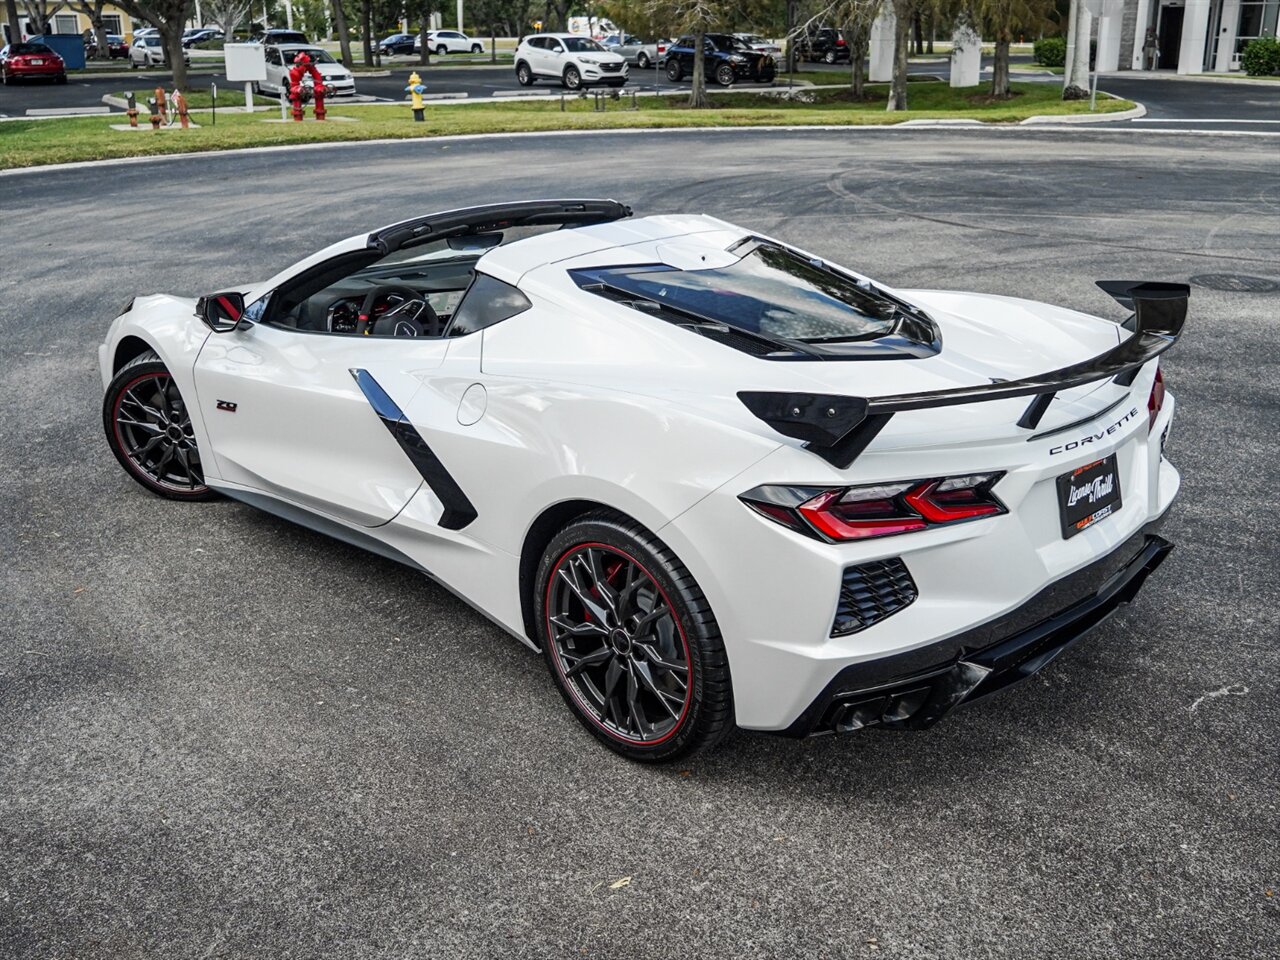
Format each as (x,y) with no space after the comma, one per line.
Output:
(573,60)
(448,41)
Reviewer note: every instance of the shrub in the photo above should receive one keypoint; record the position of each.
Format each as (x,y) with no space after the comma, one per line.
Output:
(1261,57)
(1050,51)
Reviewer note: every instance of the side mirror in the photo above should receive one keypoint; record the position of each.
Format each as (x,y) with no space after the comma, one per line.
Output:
(221,312)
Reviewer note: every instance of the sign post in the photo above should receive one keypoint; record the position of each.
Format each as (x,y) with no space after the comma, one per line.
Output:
(245,63)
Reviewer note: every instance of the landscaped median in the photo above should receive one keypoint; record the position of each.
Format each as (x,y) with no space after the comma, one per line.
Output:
(34,143)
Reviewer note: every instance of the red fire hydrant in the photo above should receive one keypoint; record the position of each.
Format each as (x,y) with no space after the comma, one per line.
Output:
(298,93)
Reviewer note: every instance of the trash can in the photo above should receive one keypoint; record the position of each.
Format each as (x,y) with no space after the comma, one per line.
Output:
(69,46)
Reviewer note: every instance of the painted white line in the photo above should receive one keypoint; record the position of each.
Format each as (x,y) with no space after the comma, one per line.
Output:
(1204,120)
(66,111)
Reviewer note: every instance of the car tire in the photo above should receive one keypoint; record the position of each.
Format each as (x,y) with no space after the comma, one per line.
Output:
(829,57)
(60,79)
(656,651)
(675,72)
(572,78)
(725,75)
(441,50)
(524,76)
(477,48)
(149,429)
(133,64)
(643,61)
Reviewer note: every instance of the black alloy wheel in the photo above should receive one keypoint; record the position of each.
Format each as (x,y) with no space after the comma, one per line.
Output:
(572,78)
(631,641)
(674,71)
(149,430)
(725,75)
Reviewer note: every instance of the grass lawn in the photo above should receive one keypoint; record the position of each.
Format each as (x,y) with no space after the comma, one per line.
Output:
(31,143)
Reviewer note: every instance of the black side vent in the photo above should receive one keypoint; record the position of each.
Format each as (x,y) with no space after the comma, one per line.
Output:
(870,592)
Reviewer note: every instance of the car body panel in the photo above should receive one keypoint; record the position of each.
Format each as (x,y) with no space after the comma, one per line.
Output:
(580,399)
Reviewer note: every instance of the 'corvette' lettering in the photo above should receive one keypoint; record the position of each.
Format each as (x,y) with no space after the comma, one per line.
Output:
(1100,435)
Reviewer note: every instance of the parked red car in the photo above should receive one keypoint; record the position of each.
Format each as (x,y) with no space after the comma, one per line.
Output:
(23,61)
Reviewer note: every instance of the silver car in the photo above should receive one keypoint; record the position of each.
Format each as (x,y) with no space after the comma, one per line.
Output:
(759,44)
(644,53)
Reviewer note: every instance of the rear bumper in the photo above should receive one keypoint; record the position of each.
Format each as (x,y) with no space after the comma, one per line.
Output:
(916,689)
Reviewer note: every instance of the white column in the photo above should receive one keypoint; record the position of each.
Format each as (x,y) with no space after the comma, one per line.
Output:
(1195,27)
(1140,24)
(881,47)
(460,16)
(288,14)
(966,57)
(1108,43)
(199,16)
(1228,24)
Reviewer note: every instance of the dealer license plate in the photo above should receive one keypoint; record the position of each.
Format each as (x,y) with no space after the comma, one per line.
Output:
(1087,495)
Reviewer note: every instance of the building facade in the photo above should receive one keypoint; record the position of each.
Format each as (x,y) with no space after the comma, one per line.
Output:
(1185,36)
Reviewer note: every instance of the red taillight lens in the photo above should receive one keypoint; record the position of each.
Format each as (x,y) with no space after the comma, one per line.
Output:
(878,510)
(1155,401)
(840,43)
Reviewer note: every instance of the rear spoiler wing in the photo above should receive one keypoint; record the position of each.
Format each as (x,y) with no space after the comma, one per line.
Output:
(495,216)
(839,428)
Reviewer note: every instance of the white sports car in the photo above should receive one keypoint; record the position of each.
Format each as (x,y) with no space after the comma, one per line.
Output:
(717,480)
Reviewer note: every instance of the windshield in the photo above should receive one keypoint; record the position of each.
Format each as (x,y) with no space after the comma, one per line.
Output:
(771,291)
(21,48)
(581,45)
(725,43)
(316,54)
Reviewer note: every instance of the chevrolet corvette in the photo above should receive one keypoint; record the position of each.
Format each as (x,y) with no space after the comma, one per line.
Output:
(715,479)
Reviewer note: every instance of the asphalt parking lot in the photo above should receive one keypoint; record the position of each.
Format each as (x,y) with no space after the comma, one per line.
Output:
(224,736)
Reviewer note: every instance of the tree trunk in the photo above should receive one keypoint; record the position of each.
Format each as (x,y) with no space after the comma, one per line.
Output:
(493,42)
(917,32)
(791,41)
(1076,75)
(15,26)
(1000,69)
(858,34)
(100,38)
(898,89)
(344,36)
(424,55)
(366,28)
(171,34)
(698,92)
(933,29)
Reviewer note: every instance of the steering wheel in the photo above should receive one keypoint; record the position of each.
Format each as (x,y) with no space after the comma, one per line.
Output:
(401,320)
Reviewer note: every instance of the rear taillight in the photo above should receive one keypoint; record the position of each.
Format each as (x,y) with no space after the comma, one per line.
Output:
(840,43)
(878,510)
(1155,401)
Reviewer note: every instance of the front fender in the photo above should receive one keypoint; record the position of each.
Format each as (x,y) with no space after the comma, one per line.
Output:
(169,326)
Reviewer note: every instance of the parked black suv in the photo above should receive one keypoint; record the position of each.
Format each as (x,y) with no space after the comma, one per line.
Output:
(823,44)
(726,60)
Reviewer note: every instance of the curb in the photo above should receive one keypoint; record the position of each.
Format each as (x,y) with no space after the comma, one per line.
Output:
(1139,111)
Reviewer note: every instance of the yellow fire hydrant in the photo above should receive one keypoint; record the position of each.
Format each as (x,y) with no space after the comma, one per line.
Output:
(415,89)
